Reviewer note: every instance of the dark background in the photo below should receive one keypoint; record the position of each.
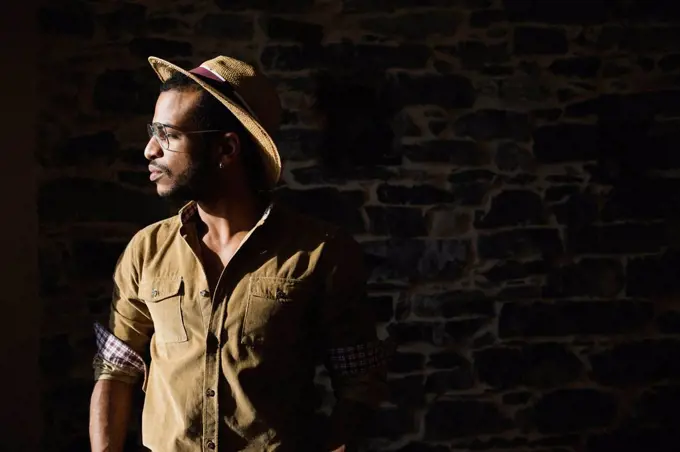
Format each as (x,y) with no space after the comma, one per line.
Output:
(509,165)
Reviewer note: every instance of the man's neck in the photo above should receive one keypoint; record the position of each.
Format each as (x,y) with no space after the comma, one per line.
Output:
(230,216)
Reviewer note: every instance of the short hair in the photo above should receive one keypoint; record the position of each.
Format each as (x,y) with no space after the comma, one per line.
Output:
(210,114)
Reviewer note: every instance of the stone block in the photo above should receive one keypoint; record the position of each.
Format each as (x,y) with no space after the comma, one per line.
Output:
(418,195)
(634,438)
(123,91)
(478,54)
(392,423)
(450,419)
(657,406)
(669,63)
(509,270)
(520,243)
(299,144)
(540,41)
(511,157)
(447,91)
(625,238)
(573,410)
(447,360)
(591,277)
(447,222)
(513,208)
(162,48)
(485,125)
(396,221)
(650,39)
(516,398)
(163,25)
(451,304)
(574,317)
(329,204)
(463,330)
(226,26)
(356,6)
(128,17)
(415,25)
(544,365)
(562,143)
(471,187)
(653,276)
(487,18)
(292,6)
(394,259)
(579,210)
(448,152)
(649,199)
(70,18)
(635,363)
(557,11)
(582,67)
(279,28)
(406,362)
(444,381)
(668,322)
(422,447)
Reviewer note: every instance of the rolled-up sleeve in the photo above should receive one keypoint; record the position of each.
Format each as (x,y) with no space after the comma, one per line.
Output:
(354,356)
(121,346)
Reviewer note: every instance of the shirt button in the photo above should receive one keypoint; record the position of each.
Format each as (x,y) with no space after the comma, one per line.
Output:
(210,445)
(205,293)
(210,393)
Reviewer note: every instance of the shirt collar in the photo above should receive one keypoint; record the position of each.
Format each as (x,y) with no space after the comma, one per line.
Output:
(189,212)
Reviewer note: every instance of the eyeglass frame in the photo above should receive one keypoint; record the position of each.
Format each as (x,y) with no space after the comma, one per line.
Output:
(150,131)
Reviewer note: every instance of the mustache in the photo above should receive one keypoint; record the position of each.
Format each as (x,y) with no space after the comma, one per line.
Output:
(161,168)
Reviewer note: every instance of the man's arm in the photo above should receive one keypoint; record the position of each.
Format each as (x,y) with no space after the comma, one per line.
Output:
(109,415)
(354,356)
(118,363)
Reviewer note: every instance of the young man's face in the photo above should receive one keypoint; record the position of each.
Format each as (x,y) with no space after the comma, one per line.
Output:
(178,162)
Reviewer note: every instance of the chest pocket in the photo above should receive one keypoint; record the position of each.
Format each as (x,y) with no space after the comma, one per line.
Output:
(274,311)
(163,298)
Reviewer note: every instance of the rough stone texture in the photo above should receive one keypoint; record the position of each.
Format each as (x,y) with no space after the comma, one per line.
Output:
(510,167)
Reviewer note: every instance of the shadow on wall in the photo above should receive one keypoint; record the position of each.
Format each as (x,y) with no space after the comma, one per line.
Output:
(357,114)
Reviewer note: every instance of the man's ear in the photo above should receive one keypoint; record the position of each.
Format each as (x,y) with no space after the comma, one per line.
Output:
(230,145)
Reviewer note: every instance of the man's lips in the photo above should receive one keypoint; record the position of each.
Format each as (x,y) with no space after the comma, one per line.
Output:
(155,173)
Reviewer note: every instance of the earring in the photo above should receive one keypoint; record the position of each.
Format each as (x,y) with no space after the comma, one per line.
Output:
(221,165)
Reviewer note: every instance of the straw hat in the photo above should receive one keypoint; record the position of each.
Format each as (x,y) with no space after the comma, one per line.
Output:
(249,95)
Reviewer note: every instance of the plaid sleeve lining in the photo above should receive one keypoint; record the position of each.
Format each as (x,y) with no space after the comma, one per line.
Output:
(117,352)
(357,359)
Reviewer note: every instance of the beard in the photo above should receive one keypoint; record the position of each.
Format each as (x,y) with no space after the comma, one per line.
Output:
(190,184)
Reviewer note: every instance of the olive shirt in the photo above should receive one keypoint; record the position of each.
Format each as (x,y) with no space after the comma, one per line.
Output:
(233,370)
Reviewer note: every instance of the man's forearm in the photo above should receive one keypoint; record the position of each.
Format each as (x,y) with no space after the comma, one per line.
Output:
(109,414)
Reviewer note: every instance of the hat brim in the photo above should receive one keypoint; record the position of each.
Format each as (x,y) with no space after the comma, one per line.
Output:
(268,150)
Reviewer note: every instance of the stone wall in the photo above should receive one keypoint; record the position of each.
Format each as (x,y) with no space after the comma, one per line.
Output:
(509,165)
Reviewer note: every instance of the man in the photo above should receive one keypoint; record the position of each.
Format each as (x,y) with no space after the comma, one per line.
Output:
(224,310)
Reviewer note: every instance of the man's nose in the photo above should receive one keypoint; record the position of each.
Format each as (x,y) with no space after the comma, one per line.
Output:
(153,150)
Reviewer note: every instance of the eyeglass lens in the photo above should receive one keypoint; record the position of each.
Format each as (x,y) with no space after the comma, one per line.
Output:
(158,131)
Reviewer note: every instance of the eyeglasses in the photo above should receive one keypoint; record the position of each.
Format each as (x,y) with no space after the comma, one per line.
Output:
(164,133)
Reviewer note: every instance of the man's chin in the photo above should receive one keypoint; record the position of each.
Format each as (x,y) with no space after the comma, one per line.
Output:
(174,194)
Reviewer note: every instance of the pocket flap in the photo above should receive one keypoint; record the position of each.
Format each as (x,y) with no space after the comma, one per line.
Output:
(156,290)
(280,289)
